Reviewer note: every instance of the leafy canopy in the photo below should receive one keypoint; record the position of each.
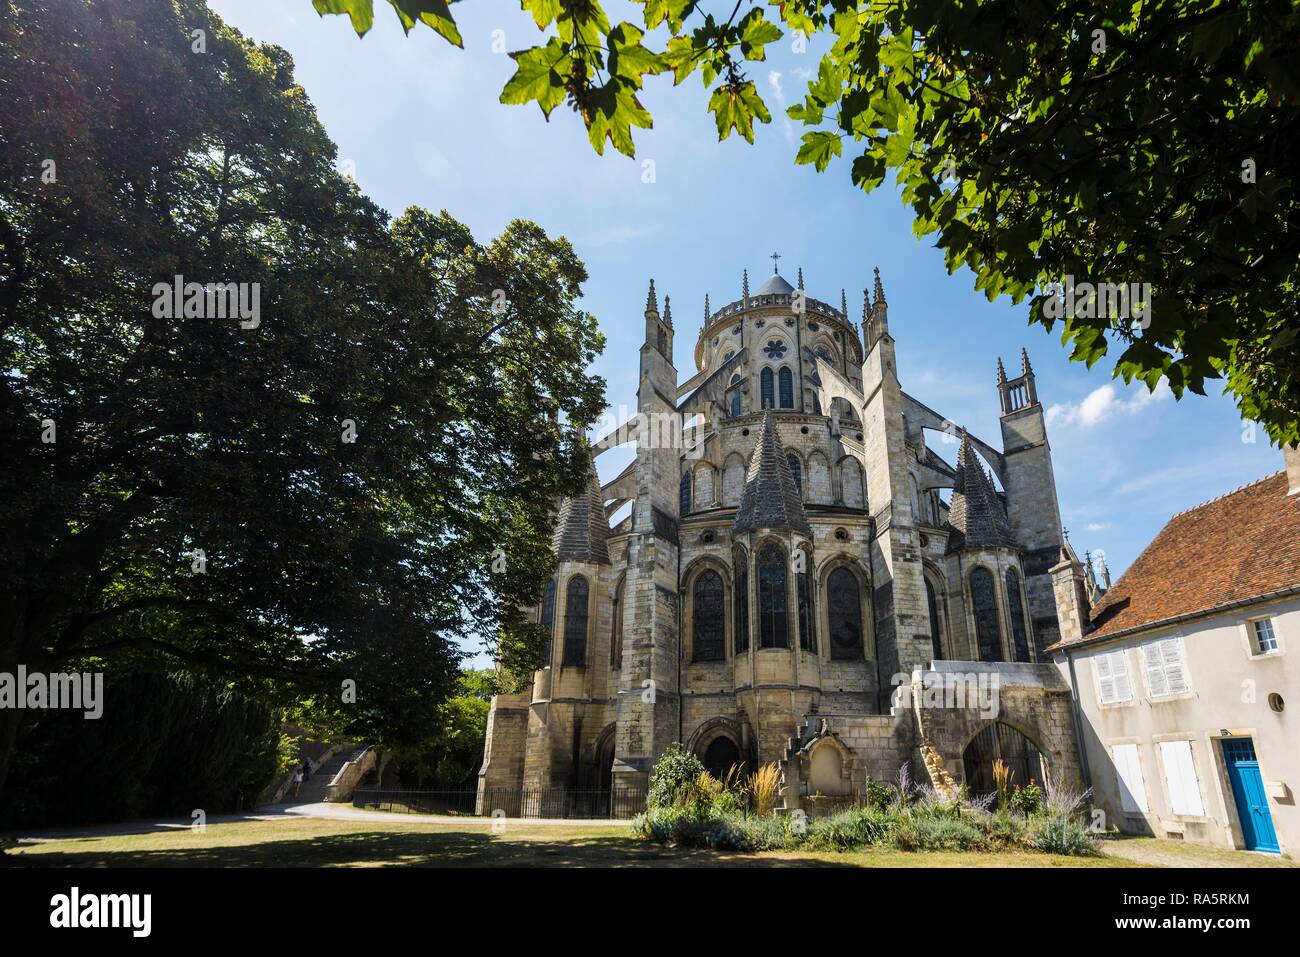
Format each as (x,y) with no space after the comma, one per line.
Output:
(1108,141)
(133,440)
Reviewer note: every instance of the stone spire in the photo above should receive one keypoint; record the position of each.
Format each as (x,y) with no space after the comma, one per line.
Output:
(1105,573)
(744,289)
(844,305)
(879,299)
(801,277)
(1002,373)
(770,499)
(707,311)
(1025,368)
(668,311)
(581,529)
(652,300)
(976,513)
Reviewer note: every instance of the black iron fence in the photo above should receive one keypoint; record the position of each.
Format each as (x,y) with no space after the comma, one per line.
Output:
(505,802)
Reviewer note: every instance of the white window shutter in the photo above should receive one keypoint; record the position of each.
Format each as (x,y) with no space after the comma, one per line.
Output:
(1180,778)
(1132,792)
(1123,688)
(1173,661)
(1152,658)
(1105,680)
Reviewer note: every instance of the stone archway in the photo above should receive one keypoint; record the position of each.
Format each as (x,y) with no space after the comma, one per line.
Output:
(721,756)
(1000,741)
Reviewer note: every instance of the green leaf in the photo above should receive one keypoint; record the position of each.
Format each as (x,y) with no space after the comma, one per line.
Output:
(736,106)
(432,13)
(360,12)
(756,33)
(818,148)
(628,58)
(537,77)
(544,12)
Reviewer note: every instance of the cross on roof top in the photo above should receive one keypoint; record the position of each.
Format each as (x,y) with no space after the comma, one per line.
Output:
(774,257)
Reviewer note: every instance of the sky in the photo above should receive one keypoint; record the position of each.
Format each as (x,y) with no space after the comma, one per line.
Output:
(418,122)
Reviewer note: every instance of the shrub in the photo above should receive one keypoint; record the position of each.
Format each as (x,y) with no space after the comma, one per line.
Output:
(687,826)
(930,803)
(878,795)
(1027,800)
(675,778)
(736,833)
(1062,835)
(856,827)
(1003,830)
(762,788)
(946,834)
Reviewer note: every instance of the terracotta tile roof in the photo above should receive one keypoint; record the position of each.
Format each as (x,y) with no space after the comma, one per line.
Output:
(1234,548)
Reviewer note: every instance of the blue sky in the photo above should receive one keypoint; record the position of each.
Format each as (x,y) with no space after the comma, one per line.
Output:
(422,123)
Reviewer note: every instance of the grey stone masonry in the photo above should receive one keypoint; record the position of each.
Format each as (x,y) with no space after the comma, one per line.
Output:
(770,499)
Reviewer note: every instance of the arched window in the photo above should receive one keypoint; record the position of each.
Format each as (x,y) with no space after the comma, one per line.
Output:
(935,632)
(786,379)
(986,615)
(765,390)
(575,622)
(807,633)
(684,492)
(1016,612)
(706,617)
(548,619)
(773,614)
(616,629)
(796,472)
(740,601)
(735,395)
(844,609)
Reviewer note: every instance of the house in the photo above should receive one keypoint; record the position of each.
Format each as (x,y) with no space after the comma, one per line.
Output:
(1183,670)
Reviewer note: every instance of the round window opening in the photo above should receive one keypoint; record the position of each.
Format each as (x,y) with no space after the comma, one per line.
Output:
(1276,703)
(841,535)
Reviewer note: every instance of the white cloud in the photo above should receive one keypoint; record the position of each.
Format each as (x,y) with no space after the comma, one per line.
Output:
(778,94)
(1098,526)
(1103,403)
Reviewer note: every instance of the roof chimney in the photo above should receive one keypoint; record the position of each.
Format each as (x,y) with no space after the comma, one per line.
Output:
(1292,455)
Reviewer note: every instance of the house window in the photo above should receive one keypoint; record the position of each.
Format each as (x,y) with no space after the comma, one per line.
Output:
(765,390)
(684,493)
(1265,637)
(735,403)
(844,611)
(706,617)
(932,602)
(1163,661)
(1180,778)
(773,616)
(575,622)
(786,380)
(1128,767)
(1113,685)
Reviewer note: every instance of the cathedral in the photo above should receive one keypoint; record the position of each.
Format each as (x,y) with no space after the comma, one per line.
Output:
(817,570)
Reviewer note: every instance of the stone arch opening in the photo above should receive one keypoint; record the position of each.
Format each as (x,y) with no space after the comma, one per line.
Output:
(720,756)
(999,741)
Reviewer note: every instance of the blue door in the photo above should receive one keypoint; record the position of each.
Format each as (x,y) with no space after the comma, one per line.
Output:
(1248,792)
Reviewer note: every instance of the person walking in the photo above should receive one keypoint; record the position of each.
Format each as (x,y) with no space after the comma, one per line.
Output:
(297,781)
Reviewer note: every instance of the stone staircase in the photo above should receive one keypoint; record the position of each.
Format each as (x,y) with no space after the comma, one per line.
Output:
(317,788)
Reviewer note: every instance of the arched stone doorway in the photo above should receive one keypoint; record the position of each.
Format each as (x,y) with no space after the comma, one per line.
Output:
(999,741)
(720,756)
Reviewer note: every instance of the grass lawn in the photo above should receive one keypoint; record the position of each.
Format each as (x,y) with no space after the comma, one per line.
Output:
(328,842)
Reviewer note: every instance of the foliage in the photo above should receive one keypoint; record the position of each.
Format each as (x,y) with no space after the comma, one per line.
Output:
(1111,142)
(1028,800)
(1062,835)
(856,827)
(919,833)
(674,779)
(183,743)
(462,367)
(763,785)
(877,794)
(1002,781)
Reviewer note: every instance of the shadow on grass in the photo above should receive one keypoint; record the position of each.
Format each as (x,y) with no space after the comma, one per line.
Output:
(381,848)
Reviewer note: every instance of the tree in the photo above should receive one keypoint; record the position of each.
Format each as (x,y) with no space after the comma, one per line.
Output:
(312,497)
(1041,143)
